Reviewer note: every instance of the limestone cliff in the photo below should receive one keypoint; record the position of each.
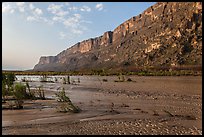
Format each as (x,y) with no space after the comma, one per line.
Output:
(165,34)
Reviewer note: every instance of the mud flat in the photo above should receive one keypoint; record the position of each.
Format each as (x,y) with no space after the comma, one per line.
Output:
(145,105)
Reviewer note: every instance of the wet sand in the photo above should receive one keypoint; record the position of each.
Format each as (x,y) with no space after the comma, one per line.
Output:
(147,105)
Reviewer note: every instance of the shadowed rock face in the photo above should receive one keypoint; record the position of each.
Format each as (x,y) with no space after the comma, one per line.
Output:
(165,34)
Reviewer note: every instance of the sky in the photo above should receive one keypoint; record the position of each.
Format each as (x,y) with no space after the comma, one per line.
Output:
(34,29)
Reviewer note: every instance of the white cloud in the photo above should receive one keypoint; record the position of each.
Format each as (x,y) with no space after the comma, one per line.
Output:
(53,8)
(78,16)
(85,8)
(39,19)
(58,18)
(7,8)
(67,3)
(77,31)
(62,13)
(72,21)
(21,6)
(31,18)
(57,10)
(86,21)
(31,6)
(73,24)
(45,20)
(38,11)
(73,8)
(99,6)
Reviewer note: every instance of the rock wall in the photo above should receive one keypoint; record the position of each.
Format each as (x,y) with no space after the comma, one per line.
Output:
(171,28)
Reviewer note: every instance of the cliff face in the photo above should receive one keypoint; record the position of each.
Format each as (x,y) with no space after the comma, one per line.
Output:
(165,34)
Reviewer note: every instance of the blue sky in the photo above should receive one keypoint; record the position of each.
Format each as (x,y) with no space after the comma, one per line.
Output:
(34,29)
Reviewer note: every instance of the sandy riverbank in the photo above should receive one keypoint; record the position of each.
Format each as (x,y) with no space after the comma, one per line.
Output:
(147,105)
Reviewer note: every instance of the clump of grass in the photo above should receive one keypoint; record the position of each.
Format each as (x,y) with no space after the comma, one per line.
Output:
(56,79)
(23,79)
(104,80)
(121,78)
(66,80)
(30,94)
(40,92)
(65,103)
(129,79)
(43,78)
(19,94)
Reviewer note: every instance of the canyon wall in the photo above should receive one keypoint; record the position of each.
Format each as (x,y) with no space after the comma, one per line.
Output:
(168,32)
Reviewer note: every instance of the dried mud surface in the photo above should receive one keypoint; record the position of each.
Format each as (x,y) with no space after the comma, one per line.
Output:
(146,105)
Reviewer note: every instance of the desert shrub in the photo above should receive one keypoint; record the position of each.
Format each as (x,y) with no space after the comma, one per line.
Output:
(4,92)
(19,94)
(56,79)
(78,80)
(8,79)
(121,78)
(129,79)
(23,79)
(65,103)
(104,80)
(40,92)
(20,91)
(61,97)
(68,79)
(64,80)
(43,78)
(30,94)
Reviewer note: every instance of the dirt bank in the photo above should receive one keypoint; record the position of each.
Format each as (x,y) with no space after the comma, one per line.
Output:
(146,105)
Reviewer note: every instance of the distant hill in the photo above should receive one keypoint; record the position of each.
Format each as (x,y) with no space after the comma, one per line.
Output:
(166,34)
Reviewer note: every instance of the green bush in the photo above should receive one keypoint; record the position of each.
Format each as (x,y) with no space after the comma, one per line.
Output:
(4,91)
(8,79)
(20,91)
(19,94)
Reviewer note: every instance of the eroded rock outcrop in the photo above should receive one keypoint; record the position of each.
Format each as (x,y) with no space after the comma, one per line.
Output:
(165,34)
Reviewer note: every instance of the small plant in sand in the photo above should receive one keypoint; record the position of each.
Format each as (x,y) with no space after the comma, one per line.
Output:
(31,95)
(65,103)
(43,78)
(56,79)
(104,80)
(3,91)
(121,78)
(23,79)
(41,92)
(19,94)
(66,80)
(78,80)
(129,79)
(8,80)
